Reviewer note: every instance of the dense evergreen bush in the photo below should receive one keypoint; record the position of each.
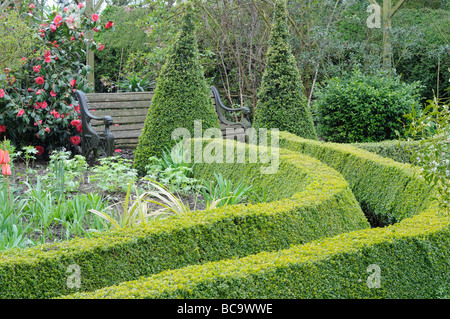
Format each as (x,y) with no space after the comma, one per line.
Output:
(363,108)
(281,102)
(182,96)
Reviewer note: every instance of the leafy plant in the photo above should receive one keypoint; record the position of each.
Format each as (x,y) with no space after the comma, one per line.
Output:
(221,192)
(113,174)
(173,171)
(133,83)
(136,211)
(432,128)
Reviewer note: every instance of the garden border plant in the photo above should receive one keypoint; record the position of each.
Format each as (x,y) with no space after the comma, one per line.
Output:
(314,202)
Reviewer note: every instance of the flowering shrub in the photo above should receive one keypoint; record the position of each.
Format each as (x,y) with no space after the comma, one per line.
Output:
(432,127)
(37,105)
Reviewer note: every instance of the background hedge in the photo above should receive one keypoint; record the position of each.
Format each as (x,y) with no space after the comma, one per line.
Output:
(398,151)
(317,204)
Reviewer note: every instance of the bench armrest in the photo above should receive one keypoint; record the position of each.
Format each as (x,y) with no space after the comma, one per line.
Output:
(87,116)
(219,102)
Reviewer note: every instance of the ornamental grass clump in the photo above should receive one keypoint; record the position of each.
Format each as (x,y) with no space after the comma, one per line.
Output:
(181,97)
(281,102)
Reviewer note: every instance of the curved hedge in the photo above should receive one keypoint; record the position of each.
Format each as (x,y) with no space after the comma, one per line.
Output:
(412,256)
(319,204)
(386,189)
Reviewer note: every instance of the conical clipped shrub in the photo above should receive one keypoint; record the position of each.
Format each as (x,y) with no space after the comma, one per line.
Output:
(281,102)
(181,97)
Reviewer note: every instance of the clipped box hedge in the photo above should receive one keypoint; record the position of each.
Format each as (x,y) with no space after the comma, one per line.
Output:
(398,151)
(319,204)
(386,190)
(412,256)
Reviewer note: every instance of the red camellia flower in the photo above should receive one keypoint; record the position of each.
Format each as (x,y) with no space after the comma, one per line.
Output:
(39,149)
(21,112)
(52,27)
(95,17)
(57,20)
(80,5)
(48,59)
(2,129)
(95,29)
(52,93)
(73,82)
(75,123)
(40,80)
(37,68)
(2,93)
(109,24)
(79,128)
(47,129)
(100,46)
(76,140)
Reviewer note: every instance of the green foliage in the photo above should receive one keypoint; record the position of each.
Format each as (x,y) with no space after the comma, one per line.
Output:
(432,128)
(318,204)
(17,41)
(172,171)
(127,41)
(181,97)
(281,103)
(221,192)
(363,108)
(113,174)
(400,151)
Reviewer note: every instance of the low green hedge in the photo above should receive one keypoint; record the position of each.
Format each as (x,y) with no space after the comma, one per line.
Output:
(412,259)
(387,190)
(319,204)
(412,256)
(398,151)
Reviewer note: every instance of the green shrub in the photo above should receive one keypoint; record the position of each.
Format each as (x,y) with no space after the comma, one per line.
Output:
(363,108)
(309,201)
(281,103)
(181,97)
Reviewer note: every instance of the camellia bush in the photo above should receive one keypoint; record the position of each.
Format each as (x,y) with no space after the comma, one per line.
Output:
(37,104)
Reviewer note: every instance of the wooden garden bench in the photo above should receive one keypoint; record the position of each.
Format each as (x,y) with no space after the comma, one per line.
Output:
(115,120)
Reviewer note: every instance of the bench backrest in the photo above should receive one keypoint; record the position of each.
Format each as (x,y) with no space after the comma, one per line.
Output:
(128,110)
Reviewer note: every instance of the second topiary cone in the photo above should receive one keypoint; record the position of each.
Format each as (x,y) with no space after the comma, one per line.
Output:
(182,96)
(281,102)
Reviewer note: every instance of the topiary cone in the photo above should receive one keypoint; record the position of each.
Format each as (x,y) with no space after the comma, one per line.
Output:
(281,103)
(181,97)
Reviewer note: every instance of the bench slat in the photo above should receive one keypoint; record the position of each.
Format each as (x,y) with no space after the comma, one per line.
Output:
(121,113)
(145,104)
(125,96)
